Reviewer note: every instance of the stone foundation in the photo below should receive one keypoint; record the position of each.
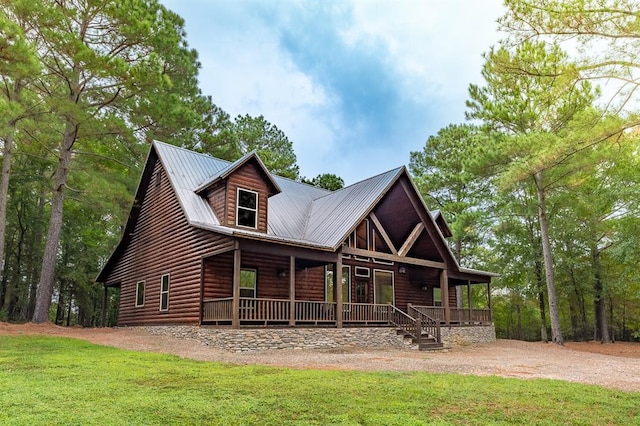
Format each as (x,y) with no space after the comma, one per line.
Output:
(467,335)
(260,339)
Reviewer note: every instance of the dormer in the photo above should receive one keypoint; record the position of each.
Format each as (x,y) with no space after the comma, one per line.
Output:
(239,194)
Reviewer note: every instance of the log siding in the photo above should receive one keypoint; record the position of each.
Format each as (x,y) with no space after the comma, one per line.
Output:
(163,243)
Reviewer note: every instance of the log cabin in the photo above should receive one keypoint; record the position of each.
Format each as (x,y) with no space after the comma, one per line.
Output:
(209,242)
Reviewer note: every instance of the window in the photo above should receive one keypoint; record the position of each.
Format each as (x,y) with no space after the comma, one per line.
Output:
(164,292)
(247,208)
(346,284)
(437,296)
(363,272)
(140,293)
(362,235)
(248,279)
(383,287)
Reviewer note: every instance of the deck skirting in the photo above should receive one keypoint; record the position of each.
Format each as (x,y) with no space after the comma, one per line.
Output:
(467,335)
(261,339)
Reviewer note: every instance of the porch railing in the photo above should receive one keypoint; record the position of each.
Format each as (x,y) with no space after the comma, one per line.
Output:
(365,313)
(279,311)
(457,315)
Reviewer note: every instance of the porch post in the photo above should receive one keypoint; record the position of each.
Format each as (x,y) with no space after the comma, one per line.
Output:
(104,306)
(337,285)
(469,299)
(235,323)
(444,292)
(292,290)
(489,298)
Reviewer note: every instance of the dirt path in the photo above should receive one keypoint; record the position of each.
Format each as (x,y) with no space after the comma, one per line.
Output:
(614,366)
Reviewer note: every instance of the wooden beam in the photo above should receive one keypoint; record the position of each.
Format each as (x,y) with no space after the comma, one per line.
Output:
(433,231)
(411,240)
(444,293)
(256,246)
(384,234)
(235,323)
(393,258)
(292,290)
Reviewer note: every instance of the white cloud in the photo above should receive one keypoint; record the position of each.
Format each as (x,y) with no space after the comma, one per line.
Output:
(429,50)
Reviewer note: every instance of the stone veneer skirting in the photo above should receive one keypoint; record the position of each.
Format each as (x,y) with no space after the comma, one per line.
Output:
(467,335)
(259,339)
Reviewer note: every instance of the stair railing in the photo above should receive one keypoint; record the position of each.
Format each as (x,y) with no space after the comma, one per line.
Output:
(430,325)
(406,323)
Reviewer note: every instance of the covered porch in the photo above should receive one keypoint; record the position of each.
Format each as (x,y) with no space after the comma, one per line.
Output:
(253,284)
(284,312)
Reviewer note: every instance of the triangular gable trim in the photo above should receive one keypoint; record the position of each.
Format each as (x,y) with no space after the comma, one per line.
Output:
(225,173)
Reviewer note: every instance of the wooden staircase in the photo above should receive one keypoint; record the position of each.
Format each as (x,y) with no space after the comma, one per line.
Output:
(423,330)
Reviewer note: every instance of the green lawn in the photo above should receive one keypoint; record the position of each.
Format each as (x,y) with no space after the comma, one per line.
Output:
(47,380)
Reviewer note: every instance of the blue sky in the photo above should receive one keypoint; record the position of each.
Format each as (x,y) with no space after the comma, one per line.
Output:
(355,85)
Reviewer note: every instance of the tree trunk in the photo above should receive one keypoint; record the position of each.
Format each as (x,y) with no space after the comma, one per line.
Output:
(556,332)
(47,273)
(537,269)
(600,306)
(543,311)
(4,192)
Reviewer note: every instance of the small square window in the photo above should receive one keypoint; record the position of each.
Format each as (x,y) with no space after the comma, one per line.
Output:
(247,208)
(140,293)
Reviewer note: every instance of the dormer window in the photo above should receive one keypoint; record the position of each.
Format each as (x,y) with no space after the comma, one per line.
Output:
(247,208)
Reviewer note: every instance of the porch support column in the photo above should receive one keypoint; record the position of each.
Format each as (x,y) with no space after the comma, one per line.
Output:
(337,284)
(489,298)
(292,290)
(104,306)
(469,303)
(235,323)
(444,292)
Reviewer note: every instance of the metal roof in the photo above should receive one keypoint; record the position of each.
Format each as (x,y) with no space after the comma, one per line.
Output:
(300,213)
(336,214)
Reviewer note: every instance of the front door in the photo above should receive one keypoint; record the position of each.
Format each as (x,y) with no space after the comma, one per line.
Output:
(362,291)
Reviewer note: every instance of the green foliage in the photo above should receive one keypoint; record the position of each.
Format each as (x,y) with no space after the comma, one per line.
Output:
(246,134)
(601,34)
(444,175)
(86,86)
(327,181)
(65,381)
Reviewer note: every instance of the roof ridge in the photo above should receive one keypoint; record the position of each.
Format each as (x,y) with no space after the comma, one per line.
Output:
(395,171)
(190,151)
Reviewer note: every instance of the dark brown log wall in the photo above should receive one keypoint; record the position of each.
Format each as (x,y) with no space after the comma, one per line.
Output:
(249,176)
(163,243)
(216,197)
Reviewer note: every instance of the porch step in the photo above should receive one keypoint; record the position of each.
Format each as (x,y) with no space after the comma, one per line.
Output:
(427,343)
(430,346)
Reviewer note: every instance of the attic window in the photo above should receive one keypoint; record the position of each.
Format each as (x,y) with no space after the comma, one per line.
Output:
(247,209)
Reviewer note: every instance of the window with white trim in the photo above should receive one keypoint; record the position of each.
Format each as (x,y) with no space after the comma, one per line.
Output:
(248,281)
(164,292)
(247,208)
(383,287)
(140,293)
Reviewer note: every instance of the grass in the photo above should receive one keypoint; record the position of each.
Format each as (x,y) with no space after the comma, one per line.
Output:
(45,380)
